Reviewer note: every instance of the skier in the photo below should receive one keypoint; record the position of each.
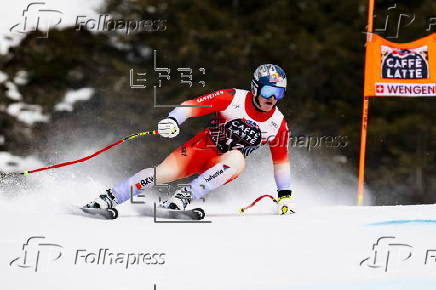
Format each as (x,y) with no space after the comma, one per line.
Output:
(244,121)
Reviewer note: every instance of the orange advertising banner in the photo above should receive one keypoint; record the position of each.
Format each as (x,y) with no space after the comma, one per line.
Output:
(400,69)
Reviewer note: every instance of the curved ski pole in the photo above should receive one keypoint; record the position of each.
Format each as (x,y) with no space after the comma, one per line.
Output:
(128,138)
(242,210)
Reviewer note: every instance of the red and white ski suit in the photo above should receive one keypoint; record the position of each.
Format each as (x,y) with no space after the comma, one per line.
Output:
(200,153)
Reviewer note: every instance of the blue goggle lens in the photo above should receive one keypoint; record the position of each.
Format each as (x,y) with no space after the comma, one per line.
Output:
(268,91)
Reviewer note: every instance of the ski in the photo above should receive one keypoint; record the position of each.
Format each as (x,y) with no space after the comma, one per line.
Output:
(165,213)
(157,212)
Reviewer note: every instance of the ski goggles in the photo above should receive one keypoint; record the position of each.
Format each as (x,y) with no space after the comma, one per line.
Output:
(268,91)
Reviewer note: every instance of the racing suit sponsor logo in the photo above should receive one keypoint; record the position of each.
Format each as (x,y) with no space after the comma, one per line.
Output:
(183,151)
(215,175)
(274,124)
(246,130)
(210,96)
(144,182)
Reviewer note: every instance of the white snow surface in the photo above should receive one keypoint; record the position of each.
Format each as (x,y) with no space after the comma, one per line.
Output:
(327,244)
(3,76)
(73,96)
(11,163)
(26,113)
(316,248)
(13,92)
(22,77)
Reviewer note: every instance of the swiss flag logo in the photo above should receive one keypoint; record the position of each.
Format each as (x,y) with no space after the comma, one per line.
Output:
(138,186)
(379,89)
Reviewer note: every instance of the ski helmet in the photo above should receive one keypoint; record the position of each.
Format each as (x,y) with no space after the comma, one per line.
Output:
(269,80)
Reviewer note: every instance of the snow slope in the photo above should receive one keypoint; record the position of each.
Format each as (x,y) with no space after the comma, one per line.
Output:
(327,244)
(317,248)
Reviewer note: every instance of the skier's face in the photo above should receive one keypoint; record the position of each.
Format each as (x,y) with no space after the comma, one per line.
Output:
(266,104)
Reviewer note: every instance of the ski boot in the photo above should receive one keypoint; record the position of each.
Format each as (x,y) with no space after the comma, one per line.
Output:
(104,205)
(181,198)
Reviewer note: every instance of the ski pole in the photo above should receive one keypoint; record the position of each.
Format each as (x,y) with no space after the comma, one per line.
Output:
(128,138)
(242,210)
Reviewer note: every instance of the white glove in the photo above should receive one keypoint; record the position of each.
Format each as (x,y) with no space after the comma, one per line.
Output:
(285,204)
(168,128)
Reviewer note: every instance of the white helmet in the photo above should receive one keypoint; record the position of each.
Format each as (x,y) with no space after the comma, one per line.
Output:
(270,76)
